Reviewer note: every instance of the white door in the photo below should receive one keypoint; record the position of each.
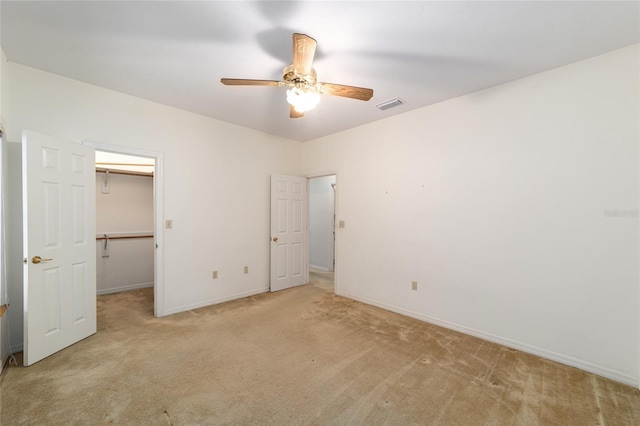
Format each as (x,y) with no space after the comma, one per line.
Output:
(288,231)
(58,179)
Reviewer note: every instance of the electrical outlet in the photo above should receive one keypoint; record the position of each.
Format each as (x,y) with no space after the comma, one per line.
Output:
(341,224)
(214,275)
(414,285)
(168,224)
(246,269)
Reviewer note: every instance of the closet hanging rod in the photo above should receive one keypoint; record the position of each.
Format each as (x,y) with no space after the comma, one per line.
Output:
(122,237)
(123,172)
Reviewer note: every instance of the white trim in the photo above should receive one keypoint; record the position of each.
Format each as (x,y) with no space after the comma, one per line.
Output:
(104,291)
(553,356)
(215,301)
(317,175)
(158,216)
(319,268)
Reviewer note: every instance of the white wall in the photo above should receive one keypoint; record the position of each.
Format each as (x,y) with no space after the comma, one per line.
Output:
(321,222)
(216,177)
(500,205)
(127,209)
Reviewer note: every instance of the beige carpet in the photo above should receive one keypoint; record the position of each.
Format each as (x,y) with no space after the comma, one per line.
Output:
(298,357)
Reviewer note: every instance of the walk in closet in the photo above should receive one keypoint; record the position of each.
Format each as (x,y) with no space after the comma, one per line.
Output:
(124,223)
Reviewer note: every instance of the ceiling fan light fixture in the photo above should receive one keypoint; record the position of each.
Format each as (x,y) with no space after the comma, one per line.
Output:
(303,99)
(302,80)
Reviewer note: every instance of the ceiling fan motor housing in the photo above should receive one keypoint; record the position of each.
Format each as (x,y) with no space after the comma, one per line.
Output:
(292,76)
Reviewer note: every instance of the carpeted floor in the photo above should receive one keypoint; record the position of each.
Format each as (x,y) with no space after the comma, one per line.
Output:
(298,357)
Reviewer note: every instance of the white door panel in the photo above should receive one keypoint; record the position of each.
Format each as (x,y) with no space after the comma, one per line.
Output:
(59,228)
(288,231)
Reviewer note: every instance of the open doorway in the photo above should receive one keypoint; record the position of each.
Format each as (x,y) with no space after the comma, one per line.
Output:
(125,228)
(157,239)
(322,197)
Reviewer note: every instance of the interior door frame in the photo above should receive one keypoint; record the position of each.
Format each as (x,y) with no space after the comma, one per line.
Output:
(158,216)
(4,324)
(335,219)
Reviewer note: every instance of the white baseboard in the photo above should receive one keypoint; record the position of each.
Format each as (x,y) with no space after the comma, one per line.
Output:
(14,349)
(214,301)
(100,292)
(553,356)
(319,268)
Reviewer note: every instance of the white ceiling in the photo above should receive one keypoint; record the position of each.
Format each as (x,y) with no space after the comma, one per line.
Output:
(424,52)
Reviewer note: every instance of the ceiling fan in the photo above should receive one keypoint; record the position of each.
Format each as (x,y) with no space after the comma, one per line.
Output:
(301,79)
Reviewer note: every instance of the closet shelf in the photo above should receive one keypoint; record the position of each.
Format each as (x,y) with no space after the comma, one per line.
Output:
(122,237)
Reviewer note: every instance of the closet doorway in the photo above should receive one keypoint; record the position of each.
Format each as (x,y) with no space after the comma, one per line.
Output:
(125,243)
(129,218)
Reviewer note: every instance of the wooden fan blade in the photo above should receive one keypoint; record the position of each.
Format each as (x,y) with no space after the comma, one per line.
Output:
(304,49)
(243,82)
(360,93)
(293,113)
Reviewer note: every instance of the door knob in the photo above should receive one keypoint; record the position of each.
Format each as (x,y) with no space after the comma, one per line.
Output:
(275,239)
(38,259)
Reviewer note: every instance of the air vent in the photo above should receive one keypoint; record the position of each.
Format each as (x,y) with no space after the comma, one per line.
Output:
(390,104)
